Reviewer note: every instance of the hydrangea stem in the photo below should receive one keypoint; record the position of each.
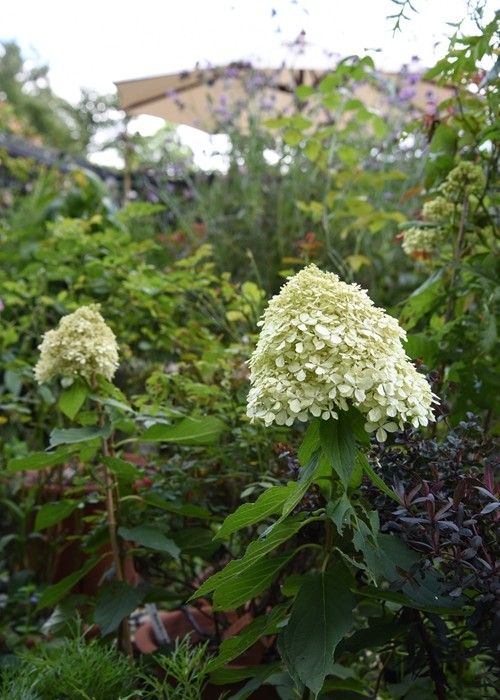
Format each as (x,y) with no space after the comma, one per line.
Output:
(124,639)
(109,487)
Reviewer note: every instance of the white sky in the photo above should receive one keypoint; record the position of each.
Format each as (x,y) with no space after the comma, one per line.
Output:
(96,42)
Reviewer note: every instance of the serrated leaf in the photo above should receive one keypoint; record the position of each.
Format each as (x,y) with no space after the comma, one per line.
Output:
(254,552)
(232,648)
(115,602)
(150,537)
(204,430)
(52,513)
(72,399)
(321,617)
(248,583)
(269,502)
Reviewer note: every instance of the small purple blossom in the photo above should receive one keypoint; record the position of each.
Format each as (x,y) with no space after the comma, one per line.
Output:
(406,93)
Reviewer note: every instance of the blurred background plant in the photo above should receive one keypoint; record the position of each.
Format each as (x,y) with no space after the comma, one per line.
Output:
(182,266)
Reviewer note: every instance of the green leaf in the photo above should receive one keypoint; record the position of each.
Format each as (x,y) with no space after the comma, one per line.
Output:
(74,435)
(232,648)
(258,676)
(13,381)
(340,512)
(339,445)
(293,137)
(277,123)
(304,91)
(39,460)
(269,502)
(125,471)
(310,443)
(307,476)
(312,149)
(204,430)
(455,607)
(150,537)
(441,157)
(115,602)
(52,513)
(54,593)
(321,616)
(196,542)
(421,346)
(377,481)
(187,510)
(72,399)
(248,583)
(422,300)
(298,121)
(279,534)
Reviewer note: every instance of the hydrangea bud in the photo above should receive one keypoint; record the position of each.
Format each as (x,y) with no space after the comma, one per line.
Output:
(438,211)
(464,180)
(324,346)
(82,345)
(422,240)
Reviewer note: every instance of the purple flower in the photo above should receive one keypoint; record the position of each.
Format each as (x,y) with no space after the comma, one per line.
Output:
(406,93)
(266,104)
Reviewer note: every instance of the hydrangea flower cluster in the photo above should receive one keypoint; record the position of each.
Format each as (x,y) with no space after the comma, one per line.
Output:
(438,210)
(82,345)
(324,345)
(465,179)
(422,240)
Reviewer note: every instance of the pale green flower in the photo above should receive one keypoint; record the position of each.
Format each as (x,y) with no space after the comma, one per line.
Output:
(438,210)
(82,345)
(418,241)
(324,346)
(465,179)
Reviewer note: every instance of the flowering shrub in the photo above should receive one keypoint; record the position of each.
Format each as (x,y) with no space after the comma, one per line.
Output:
(441,215)
(323,346)
(82,345)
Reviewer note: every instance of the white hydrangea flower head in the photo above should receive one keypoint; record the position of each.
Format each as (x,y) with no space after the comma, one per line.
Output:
(418,241)
(82,345)
(324,345)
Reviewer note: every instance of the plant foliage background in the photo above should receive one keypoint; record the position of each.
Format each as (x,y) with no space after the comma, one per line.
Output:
(354,568)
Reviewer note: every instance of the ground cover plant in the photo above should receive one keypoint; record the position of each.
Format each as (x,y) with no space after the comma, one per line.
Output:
(209,491)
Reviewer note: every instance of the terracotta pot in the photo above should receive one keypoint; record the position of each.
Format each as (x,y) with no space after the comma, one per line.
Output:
(70,557)
(198,622)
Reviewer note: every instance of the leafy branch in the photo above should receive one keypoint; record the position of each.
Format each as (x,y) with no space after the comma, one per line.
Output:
(405,6)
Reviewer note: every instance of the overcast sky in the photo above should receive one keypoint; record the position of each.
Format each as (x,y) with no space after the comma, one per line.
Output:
(96,42)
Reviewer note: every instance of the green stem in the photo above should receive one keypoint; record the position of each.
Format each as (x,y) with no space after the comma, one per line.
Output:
(111,499)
